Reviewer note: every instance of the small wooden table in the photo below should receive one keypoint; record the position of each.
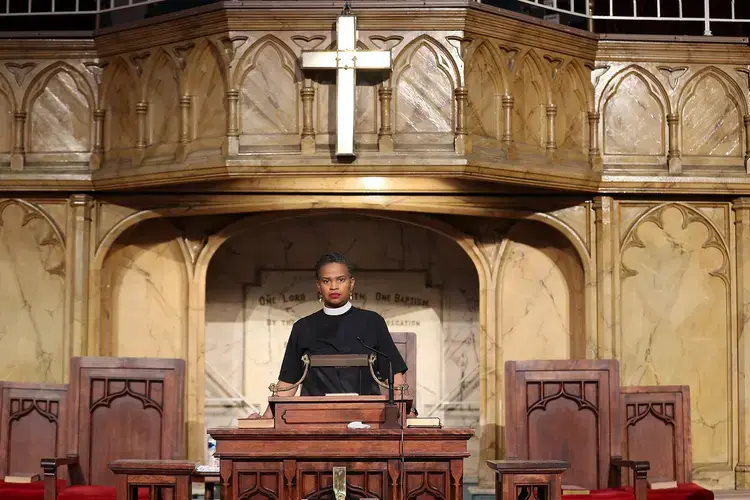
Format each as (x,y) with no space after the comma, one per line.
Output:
(154,475)
(515,475)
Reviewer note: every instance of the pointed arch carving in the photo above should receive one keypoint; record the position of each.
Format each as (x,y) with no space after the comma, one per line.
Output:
(117,67)
(269,94)
(629,137)
(162,92)
(249,60)
(655,88)
(203,50)
(445,62)
(531,58)
(7,90)
(716,117)
(574,97)
(484,114)
(40,81)
(153,66)
(72,131)
(120,92)
(424,79)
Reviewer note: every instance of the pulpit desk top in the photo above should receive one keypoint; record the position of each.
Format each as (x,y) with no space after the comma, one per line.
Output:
(296,459)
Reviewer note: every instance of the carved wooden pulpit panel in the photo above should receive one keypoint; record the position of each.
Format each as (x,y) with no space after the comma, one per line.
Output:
(31,424)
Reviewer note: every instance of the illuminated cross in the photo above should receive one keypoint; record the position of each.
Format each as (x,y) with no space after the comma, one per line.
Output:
(346,60)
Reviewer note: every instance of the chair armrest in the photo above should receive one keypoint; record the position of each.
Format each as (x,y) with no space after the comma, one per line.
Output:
(640,470)
(49,466)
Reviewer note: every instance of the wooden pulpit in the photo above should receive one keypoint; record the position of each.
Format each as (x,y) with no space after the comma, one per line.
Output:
(310,451)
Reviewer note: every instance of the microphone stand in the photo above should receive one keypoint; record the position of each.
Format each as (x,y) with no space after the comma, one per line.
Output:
(392,420)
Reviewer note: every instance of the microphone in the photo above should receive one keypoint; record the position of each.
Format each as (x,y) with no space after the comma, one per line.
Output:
(391,399)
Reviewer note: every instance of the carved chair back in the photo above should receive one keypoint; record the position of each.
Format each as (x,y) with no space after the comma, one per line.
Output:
(564,410)
(32,419)
(656,427)
(123,408)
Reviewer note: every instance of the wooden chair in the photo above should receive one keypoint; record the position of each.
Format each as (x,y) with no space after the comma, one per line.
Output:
(32,420)
(569,411)
(118,408)
(656,427)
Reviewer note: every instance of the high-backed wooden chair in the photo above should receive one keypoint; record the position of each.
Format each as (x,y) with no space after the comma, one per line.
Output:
(569,410)
(656,427)
(32,419)
(118,408)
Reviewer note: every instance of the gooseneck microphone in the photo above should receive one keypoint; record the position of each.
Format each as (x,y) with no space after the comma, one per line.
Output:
(391,399)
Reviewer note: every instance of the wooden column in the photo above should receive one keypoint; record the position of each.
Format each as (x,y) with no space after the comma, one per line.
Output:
(603,345)
(462,143)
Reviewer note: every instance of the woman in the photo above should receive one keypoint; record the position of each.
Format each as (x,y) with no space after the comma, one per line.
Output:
(337,329)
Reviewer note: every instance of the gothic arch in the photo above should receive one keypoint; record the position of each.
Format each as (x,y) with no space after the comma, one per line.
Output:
(193,62)
(654,87)
(249,59)
(38,213)
(584,81)
(497,65)
(536,64)
(7,91)
(153,65)
(40,81)
(730,86)
(112,70)
(402,61)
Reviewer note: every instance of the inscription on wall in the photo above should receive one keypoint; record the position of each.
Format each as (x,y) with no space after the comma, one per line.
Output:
(282,297)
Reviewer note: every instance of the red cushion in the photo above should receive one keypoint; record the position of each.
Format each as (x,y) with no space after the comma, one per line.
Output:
(684,491)
(26,491)
(625,493)
(94,493)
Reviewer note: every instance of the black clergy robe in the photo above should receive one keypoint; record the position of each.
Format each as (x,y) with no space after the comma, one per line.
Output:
(320,333)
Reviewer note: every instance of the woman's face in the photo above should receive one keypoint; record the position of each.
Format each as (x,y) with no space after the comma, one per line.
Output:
(335,284)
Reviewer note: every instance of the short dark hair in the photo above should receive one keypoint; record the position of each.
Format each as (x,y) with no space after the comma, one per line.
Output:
(331,258)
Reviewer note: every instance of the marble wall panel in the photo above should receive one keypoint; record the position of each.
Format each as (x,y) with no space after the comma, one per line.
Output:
(144,294)
(60,116)
(674,299)
(541,306)
(32,267)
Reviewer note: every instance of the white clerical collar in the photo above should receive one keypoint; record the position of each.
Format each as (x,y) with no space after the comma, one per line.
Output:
(337,311)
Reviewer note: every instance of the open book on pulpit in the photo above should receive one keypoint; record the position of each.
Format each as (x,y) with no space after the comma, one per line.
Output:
(334,411)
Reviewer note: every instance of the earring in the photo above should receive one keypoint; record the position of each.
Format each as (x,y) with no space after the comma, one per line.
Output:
(350,297)
(320,298)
